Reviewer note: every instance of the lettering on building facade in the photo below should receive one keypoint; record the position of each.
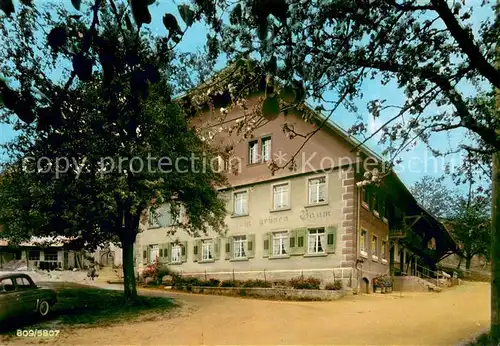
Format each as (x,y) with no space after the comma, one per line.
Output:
(273,220)
(244,224)
(307,215)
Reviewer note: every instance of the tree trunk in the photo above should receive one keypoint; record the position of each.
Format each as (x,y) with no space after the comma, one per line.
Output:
(495,217)
(459,262)
(129,282)
(468,260)
(495,248)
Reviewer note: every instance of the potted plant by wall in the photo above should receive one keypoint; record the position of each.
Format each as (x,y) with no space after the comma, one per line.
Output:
(376,285)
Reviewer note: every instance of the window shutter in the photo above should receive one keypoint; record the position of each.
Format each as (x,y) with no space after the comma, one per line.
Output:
(301,244)
(229,247)
(217,242)
(165,252)
(251,245)
(331,239)
(196,250)
(144,255)
(293,242)
(267,245)
(184,245)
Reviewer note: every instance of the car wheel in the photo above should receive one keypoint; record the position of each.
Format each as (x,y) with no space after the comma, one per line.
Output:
(44,308)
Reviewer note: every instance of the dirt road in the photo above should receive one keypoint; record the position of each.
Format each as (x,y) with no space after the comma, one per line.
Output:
(444,318)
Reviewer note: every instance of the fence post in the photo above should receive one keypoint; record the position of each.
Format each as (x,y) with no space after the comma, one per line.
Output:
(265,280)
(233,275)
(302,275)
(205,275)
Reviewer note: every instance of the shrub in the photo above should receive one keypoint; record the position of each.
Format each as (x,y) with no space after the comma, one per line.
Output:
(334,286)
(155,272)
(210,283)
(282,283)
(309,283)
(257,283)
(230,283)
(243,293)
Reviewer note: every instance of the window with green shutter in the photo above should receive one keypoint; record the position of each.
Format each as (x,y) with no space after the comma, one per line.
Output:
(250,245)
(266,244)
(300,241)
(228,248)
(331,234)
(195,250)
(184,246)
(217,248)
(161,253)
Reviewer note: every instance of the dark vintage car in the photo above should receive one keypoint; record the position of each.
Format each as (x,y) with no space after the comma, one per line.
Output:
(20,296)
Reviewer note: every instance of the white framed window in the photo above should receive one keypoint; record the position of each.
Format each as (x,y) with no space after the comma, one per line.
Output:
(383,251)
(374,247)
(207,247)
(266,149)
(240,204)
(281,196)
(253,152)
(317,190)
(239,245)
(176,253)
(280,243)
(363,242)
(316,241)
(154,251)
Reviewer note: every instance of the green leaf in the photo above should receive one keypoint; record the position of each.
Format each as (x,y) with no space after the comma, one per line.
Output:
(288,94)
(187,14)
(140,12)
(7,7)
(270,108)
(170,23)
(26,2)
(76,4)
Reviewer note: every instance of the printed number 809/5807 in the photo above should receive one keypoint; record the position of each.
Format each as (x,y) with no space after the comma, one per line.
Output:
(37,332)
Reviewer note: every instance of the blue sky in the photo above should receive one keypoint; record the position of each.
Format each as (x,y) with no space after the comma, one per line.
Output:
(419,158)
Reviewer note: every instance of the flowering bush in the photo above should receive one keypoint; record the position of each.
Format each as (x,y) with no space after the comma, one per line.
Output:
(382,280)
(156,272)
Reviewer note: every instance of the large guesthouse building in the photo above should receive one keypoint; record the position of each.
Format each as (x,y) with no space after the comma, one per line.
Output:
(314,220)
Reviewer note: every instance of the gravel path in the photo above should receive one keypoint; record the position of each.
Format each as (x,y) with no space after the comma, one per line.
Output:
(445,318)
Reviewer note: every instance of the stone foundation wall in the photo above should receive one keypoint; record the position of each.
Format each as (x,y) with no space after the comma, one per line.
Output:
(325,275)
(273,293)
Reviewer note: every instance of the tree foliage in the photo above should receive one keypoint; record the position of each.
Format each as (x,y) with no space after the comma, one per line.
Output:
(101,141)
(333,48)
(470,224)
(434,196)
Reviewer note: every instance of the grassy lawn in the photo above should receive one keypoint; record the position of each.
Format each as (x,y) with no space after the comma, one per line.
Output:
(84,306)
